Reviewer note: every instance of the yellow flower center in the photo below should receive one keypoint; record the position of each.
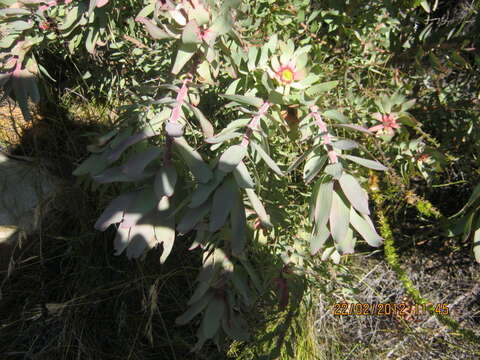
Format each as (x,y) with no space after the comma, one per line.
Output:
(286,75)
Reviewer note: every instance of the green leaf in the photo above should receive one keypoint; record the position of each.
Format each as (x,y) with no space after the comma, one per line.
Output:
(114,211)
(347,245)
(476,245)
(192,217)
(345,144)
(144,202)
(323,202)
(268,160)
(234,327)
(240,283)
(365,229)
(206,126)
(231,158)
(248,100)
(242,176)
(371,164)
(239,225)
(213,316)
(203,191)
(193,160)
(339,218)
(165,233)
(353,127)
(354,193)
(201,289)
(165,180)
(313,166)
(94,164)
(258,207)
(222,203)
(20,25)
(335,115)
(185,53)
(223,137)
(190,33)
(318,239)
(195,309)
(316,90)
(137,163)
(334,170)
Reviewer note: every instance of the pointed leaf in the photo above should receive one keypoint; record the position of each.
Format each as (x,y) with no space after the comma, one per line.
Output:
(339,218)
(114,212)
(192,217)
(155,32)
(268,160)
(195,309)
(248,100)
(206,126)
(231,158)
(371,164)
(213,316)
(242,176)
(190,33)
(313,166)
(222,203)
(258,207)
(136,164)
(335,115)
(115,153)
(353,127)
(142,236)
(239,225)
(165,180)
(220,138)
(323,202)
(354,193)
(185,53)
(365,229)
(345,144)
(144,202)
(203,191)
(318,239)
(193,159)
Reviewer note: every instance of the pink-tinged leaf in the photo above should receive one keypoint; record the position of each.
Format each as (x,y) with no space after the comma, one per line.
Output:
(238,222)
(115,153)
(248,100)
(365,228)
(371,164)
(339,218)
(318,238)
(114,212)
(353,127)
(101,3)
(354,193)
(165,181)
(222,203)
(231,158)
(136,164)
(174,129)
(155,32)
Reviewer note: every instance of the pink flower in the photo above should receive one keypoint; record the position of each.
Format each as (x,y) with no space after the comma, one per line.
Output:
(387,126)
(285,74)
(44,25)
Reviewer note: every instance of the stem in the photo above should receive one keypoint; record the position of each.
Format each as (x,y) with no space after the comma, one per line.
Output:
(391,258)
(254,123)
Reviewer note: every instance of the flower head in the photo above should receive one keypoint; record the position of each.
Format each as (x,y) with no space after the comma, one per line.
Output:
(387,126)
(285,73)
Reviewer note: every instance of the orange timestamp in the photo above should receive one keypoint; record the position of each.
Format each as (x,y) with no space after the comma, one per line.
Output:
(386,309)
